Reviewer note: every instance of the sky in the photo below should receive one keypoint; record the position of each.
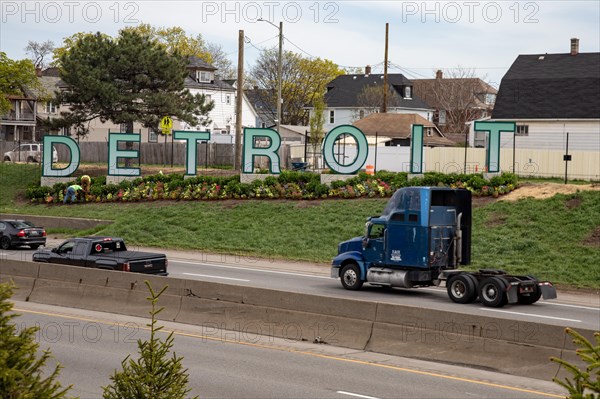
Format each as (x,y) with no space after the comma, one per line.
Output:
(424,36)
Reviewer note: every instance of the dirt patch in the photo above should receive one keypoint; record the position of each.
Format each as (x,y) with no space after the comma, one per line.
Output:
(495,219)
(594,239)
(482,201)
(573,203)
(547,190)
(307,204)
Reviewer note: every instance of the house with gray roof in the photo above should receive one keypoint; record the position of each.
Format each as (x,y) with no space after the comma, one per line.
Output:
(353,97)
(550,96)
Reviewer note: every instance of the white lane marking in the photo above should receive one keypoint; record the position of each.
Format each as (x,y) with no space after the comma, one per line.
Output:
(207,275)
(530,314)
(251,269)
(441,290)
(356,395)
(569,306)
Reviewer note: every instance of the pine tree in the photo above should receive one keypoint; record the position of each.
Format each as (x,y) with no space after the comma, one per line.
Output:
(21,370)
(155,375)
(585,383)
(127,79)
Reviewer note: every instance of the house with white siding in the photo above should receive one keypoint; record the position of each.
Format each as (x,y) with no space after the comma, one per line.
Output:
(202,78)
(550,97)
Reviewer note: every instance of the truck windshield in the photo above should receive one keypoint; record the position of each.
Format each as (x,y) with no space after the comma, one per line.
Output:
(404,199)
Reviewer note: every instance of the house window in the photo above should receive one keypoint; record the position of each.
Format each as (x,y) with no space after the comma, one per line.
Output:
(152,135)
(407,92)
(522,130)
(51,107)
(490,98)
(203,76)
(207,98)
(332,116)
(442,117)
(228,99)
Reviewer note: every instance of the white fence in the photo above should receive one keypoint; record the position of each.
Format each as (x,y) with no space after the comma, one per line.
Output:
(584,165)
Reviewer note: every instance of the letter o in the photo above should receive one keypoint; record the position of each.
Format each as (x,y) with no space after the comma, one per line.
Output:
(362,148)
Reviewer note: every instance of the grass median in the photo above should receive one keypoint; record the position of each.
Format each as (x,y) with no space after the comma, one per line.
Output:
(555,239)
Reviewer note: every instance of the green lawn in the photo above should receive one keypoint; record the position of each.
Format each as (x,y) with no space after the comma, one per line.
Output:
(548,238)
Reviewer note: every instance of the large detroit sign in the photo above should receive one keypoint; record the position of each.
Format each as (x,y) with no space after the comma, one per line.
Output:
(257,142)
(262,142)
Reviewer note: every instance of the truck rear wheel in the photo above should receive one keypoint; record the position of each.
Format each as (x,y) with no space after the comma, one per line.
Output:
(350,277)
(492,292)
(462,288)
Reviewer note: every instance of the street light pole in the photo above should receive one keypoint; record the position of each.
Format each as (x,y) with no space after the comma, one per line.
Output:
(279,69)
(279,76)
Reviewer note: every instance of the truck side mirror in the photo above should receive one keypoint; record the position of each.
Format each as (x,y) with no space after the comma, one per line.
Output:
(365,242)
(55,250)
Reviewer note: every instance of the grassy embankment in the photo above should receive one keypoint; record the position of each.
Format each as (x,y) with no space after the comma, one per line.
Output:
(550,238)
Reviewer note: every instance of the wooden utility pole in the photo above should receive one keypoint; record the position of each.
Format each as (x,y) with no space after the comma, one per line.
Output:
(238,103)
(385,72)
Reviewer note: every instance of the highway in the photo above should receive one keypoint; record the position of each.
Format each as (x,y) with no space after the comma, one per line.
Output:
(226,364)
(314,279)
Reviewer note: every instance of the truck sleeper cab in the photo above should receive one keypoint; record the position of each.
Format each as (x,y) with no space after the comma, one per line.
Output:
(421,238)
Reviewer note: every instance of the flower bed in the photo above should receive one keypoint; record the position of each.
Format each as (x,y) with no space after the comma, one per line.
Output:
(288,185)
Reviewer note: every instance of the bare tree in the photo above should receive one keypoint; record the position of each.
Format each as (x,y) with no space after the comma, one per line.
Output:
(221,62)
(458,96)
(38,52)
(370,99)
(304,80)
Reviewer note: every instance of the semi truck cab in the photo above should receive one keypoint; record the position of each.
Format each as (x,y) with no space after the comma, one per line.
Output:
(421,239)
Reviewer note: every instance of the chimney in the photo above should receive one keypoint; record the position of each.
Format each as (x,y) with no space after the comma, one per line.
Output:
(574,46)
(439,74)
(368,70)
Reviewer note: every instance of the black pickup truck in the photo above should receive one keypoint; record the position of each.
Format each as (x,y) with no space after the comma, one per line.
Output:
(103,253)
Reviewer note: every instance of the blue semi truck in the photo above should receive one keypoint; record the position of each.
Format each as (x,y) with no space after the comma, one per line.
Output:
(421,240)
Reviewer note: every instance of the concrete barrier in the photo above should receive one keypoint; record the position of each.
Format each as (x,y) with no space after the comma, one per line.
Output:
(22,274)
(54,222)
(510,346)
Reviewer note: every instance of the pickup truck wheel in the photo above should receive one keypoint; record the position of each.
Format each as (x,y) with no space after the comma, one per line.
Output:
(492,292)
(350,277)
(5,243)
(530,298)
(462,288)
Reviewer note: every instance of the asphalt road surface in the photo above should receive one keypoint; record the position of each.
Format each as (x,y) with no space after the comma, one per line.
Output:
(224,364)
(568,310)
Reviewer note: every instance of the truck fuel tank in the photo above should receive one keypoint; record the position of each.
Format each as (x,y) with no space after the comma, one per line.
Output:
(385,276)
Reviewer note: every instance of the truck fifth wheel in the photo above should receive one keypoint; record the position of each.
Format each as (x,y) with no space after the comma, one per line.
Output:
(420,240)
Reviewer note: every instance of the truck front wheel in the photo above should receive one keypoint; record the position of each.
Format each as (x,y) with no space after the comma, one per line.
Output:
(350,277)
(462,288)
(492,292)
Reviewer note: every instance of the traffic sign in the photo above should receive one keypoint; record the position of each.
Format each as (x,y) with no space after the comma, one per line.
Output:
(166,124)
